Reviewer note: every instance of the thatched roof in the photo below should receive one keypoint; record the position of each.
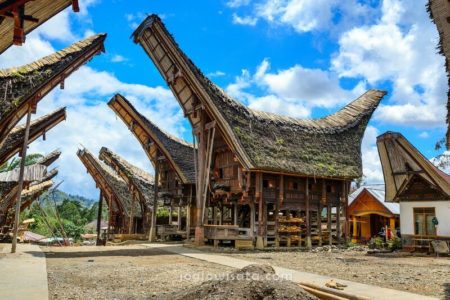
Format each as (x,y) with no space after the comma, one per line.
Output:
(137,178)
(179,153)
(109,181)
(22,86)
(327,147)
(39,9)
(405,167)
(440,13)
(38,127)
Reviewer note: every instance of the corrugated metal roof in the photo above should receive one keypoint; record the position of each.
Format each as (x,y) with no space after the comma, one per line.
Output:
(378,192)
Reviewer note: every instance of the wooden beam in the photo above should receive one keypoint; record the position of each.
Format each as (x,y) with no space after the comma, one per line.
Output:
(99,217)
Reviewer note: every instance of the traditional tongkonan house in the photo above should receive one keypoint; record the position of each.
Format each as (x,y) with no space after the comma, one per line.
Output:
(20,17)
(369,213)
(271,176)
(115,191)
(172,159)
(23,87)
(440,14)
(37,179)
(38,128)
(140,184)
(422,190)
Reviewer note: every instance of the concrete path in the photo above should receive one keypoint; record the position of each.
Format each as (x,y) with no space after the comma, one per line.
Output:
(23,274)
(359,289)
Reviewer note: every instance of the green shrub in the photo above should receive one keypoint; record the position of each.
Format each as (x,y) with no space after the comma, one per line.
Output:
(395,244)
(376,243)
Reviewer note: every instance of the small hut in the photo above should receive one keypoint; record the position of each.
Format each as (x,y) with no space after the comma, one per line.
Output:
(261,176)
(370,214)
(420,188)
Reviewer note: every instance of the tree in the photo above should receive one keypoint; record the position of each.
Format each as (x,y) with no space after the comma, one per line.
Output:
(30,159)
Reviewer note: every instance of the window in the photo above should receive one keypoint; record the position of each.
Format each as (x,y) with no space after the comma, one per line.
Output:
(423,221)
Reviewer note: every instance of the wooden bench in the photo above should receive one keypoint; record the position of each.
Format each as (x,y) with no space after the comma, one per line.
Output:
(241,236)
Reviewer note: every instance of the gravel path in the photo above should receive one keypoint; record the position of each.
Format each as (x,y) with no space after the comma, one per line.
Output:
(423,275)
(125,272)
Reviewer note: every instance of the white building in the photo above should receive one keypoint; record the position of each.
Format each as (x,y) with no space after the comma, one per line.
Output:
(422,190)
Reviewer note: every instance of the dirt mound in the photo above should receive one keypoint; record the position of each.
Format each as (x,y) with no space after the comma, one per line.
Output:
(253,282)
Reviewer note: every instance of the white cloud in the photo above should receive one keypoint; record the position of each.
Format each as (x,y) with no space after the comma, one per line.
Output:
(401,49)
(424,135)
(237,3)
(134,19)
(372,170)
(293,92)
(117,58)
(246,20)
(216,74)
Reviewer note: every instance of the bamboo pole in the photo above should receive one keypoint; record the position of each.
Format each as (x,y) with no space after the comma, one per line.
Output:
(22,169)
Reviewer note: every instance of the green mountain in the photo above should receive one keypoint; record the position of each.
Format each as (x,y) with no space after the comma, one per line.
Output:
(59,197)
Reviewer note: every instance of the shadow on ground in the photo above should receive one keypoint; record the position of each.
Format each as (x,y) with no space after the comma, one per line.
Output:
(49,254)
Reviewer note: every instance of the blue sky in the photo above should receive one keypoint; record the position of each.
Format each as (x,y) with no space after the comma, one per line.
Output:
(303,58)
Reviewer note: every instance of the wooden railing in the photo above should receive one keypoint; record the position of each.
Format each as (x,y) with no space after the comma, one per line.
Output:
(227,232)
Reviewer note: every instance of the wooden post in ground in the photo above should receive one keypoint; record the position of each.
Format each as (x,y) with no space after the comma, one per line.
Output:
(330,235)
(280,199)
(99,217)
(21,174)
(338,219)
(308,217)
(152,233)
(179,218)
(347,221)
(355,231)
(188,214)
(259,196)
(322,200)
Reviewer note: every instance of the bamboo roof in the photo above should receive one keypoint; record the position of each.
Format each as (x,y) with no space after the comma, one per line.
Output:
(143,182)
(38,127)
(328,147)
(440,14)
(402,163)
(179,153)
(39,9)
(109,181)
(26,85)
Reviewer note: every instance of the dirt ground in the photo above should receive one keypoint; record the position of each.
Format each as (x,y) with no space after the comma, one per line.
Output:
(422,275)
(125,272)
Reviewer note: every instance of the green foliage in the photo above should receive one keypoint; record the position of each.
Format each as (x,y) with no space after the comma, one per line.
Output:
(395,244)
(73,216)
(30,159)
(376,243)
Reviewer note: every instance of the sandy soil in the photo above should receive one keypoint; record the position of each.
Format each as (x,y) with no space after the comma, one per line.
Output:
(422,275)
(122,272)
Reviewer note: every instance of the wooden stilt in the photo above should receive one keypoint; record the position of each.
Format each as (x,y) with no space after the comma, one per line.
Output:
(21,174)
(279,200)
(259,196)
(338,219)
(330,234)
(322,200)
(99,217)
(152,234)
(308,217)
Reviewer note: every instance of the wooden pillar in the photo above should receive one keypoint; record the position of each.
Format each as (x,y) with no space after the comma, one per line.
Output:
(199,159)
(152,234)
(338,219)
(347,221)
(259,196)
(21,175)
(330,235)
(252,218)
(170,213)
(99,217)
(279,200)
(130,225)
(188,214)
(308,217)
(179,218)
(235,214)
(355,231)
(392,226)
(110,214)
(322,200)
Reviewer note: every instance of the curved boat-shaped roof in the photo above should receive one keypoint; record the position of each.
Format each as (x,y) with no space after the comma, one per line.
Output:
(41,10)
(179,153)
(25,85)
(107,179)
(327,147)
(38,127)
(141,180)
(440,13)
(403,164)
